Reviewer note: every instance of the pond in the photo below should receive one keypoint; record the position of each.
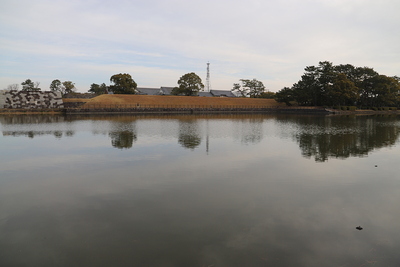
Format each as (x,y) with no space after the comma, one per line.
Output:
(199,190)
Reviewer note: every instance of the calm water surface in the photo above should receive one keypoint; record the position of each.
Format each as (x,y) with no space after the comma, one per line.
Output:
(220,190)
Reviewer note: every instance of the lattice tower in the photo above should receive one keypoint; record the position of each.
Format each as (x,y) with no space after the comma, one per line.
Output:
(208,84)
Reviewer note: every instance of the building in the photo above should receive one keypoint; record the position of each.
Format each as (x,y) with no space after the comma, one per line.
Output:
(148,91)
(166,90)
(163,90)
(222,93)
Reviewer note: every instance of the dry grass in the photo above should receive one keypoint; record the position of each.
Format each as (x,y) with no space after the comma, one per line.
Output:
(75,100)
(176,101)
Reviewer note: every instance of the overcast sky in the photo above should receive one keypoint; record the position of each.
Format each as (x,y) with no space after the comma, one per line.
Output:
(158,41)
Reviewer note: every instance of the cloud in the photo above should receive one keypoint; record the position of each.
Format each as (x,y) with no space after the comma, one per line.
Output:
(269,40)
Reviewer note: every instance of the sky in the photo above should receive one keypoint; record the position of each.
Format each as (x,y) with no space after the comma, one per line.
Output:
(158,41)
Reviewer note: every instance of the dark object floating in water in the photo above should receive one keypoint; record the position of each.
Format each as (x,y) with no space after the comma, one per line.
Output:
(376,165)
(359,228)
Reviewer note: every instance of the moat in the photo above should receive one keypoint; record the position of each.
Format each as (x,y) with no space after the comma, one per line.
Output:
(199,190)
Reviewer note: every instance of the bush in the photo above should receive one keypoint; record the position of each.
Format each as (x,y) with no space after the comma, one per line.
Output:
(352,108)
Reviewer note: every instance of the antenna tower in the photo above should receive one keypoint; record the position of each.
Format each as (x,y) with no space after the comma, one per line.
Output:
(208,85)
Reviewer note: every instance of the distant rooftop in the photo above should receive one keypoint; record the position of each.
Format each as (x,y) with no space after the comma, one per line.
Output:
(165,90)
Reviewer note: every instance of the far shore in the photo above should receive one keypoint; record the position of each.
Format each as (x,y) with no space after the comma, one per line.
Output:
(291,110)
(147,104)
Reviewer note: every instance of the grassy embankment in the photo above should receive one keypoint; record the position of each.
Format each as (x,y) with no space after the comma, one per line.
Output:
(173,101)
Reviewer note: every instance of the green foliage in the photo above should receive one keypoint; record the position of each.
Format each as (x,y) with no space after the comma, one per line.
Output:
(267,94)
(252,88)
(56,86)
(342,85)
(237,88)
(28,85)
(68,87)
(286,95)
(341,91)
(123,84)
(189,84)
(98,89)
(65,88)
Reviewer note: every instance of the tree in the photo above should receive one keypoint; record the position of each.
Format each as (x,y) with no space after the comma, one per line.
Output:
(267,94)
(98,89)
(189,84)
(123,84)
(68,87)
(56,86)
(13,87)
(63,87)
(252,88)
(28,85)
(238,89)
(385,91)
(285,95)
(342,91)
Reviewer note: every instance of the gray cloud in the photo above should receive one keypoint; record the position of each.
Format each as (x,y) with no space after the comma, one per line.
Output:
(269,40)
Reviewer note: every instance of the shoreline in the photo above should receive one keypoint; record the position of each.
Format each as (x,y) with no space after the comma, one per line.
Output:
(222,110)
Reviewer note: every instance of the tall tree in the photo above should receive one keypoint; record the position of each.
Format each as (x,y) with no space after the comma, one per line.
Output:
(56,86)
(123,84)
(386,91)
(29,85)
(239,90)
(285,95)
(63,87)
(252,88)
(189,84)
(327,84)
(342,91)
(68,87)
(98,89)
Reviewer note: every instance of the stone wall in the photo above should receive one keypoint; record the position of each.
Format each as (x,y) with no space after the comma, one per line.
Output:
(30,99)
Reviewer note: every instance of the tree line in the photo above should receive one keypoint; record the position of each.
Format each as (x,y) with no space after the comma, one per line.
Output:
(322,85)
(189,84)
(342,85)
(65,87)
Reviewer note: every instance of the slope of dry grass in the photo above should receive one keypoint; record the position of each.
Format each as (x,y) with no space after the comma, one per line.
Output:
(176,101)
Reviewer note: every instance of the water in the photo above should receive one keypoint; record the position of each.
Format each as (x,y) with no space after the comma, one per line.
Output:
(212,190)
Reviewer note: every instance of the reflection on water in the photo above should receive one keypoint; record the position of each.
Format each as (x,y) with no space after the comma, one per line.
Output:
(210,190)
(326,137)
(320,137)
(122,134)
(189,134)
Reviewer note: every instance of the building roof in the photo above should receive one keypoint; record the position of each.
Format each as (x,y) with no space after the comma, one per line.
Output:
(166,90)
(222,93)
(148,91)
(208,94)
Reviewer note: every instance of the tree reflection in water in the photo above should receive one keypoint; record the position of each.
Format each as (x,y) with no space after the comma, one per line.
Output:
(319,137)
(250,130)
(189,133)
(324,137)
(123,134)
